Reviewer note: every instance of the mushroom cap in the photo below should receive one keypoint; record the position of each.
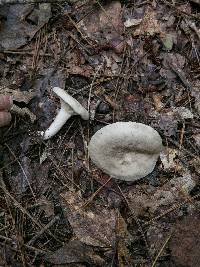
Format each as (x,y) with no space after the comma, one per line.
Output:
(125,150)
(76,107)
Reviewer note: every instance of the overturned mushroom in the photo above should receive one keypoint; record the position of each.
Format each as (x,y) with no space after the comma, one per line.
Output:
(125,150)
(69,107)
(6,104)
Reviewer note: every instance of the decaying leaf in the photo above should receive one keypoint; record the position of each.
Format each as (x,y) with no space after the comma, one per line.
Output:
(24,178)
(94,227)
(149,25)
(15,31)
(168,124)
(185,241)
(167,41)
(156,200)
(157,102)
(123,236)
(105,26)
(75,252)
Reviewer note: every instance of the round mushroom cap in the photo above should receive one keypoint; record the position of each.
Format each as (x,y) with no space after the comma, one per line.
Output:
(73,104)
(125,150)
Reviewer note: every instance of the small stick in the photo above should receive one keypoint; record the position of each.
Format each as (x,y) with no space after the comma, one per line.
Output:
(174,207)
(137,222)
(24,53)
(63,175)
(10,240)
(46,227)
(95,194)
(23,171)
(161,250)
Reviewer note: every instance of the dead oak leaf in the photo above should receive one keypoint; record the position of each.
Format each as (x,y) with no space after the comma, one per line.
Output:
(94,227)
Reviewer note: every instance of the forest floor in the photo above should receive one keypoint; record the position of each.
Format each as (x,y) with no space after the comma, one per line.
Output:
(123,61)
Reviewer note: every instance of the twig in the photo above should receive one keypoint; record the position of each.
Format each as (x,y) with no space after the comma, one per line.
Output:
(161,250)
(46,227)
(10,240)
(181,76)
(24,53)
(88,107)
(138,224)
(18,205)
(23,171)
(176,206)
(185,151)
(63,175)
(95,194)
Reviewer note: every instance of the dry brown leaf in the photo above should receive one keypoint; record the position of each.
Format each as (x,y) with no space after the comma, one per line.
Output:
(75,252)
(123,234)
(84,70)
(16,31)
(149,25)
(94,227)
(105,26)
(155,200)
(185,242)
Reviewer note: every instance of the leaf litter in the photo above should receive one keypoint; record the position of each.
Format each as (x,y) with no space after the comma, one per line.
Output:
(125,61)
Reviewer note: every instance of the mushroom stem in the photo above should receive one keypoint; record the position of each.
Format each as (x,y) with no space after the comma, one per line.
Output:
(63,115)
(69,106)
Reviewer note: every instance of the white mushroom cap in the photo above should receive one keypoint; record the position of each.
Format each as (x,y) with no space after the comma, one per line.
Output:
(126,150)
(69,106)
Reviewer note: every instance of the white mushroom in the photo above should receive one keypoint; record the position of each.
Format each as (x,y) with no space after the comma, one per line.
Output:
(69,107)
(125,150)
